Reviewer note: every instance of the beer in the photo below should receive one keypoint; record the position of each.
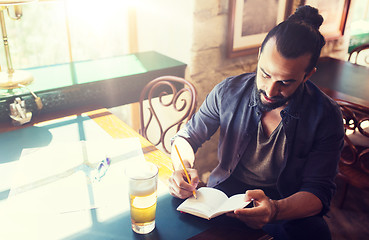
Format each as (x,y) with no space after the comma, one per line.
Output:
(143,209)
(143,196)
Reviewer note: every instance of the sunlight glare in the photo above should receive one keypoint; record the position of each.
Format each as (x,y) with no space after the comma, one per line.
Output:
(97,13)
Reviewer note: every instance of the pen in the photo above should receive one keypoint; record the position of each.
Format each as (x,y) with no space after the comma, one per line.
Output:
(184,169)
(102,168)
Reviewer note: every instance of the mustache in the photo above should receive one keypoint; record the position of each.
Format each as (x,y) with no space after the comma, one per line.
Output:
(275,98)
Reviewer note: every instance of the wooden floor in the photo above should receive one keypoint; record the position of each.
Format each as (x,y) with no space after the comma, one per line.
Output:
(352,220)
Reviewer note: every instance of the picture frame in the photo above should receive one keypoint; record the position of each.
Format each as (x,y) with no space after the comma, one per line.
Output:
(245,33)
(335,14)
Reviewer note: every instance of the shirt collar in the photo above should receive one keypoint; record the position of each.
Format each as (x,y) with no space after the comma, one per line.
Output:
(292,109)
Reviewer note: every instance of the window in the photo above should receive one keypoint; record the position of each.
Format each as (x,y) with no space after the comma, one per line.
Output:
(53,32)
(359,32)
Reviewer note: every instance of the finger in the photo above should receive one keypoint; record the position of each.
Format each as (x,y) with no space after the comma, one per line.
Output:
(256,194)
(176,191)
(179,187)
(181,179)
(193,176)
(250,212)
(231,214)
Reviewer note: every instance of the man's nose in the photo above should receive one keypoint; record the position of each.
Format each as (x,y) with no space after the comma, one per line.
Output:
(272,90)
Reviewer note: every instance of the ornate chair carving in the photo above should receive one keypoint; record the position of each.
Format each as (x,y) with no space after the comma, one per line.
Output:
(171,101)
(361,54)
(354,162)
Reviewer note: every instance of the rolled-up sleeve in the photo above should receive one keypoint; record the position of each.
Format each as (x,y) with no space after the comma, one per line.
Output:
(322,163)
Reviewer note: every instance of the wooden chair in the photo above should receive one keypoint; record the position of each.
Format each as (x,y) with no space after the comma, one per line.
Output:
(354,162)
(171,101)
(361,54)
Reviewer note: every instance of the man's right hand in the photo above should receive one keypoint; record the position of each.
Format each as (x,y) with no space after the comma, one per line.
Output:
(178,185)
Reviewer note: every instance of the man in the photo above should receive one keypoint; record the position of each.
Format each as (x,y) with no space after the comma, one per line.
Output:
(280,136)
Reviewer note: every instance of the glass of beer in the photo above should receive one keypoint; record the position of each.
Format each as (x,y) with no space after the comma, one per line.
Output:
(142,189)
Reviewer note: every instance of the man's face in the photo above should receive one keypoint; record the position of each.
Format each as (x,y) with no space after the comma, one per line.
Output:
(277,78)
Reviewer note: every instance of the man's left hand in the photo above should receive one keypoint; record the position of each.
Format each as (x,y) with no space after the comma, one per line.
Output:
(262,212)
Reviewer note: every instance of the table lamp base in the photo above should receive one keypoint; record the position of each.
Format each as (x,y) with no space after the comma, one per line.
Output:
(12,80)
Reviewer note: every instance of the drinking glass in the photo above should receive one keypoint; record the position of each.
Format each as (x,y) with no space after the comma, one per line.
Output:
(142,189)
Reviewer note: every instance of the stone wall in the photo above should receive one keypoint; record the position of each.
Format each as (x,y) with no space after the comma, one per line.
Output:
(209,65)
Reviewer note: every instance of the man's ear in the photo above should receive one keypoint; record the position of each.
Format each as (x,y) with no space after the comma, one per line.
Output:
(307,76)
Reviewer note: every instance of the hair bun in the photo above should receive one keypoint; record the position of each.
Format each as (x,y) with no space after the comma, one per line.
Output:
(307,14)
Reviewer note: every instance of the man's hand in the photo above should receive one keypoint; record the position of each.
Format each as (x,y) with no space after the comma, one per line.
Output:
(263,212)
(178,185)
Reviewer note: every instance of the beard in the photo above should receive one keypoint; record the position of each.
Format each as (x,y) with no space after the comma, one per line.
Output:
(279,101)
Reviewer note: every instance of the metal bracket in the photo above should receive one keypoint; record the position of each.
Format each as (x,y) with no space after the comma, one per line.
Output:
(19,113)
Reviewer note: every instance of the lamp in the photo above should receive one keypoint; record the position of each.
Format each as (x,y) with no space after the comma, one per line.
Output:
(12,78)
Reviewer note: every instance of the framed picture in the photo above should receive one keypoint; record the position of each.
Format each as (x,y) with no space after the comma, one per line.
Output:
(334,13)
(250,21)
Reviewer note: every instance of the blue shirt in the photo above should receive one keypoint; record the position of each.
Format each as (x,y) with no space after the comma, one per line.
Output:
(313,126)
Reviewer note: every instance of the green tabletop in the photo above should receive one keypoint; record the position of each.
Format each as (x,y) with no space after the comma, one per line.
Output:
(69,74)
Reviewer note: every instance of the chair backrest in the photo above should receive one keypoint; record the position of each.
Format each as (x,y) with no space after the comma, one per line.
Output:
(166,96)
(360,55)
(356,123)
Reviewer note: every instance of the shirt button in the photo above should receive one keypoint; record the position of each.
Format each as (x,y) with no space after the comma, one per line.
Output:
(238,155)
(230,170)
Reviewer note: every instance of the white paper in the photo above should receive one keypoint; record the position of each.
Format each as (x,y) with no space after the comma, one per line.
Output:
(212,202)
(59,178)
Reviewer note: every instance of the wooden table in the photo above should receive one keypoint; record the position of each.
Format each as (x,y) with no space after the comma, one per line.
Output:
(343,80)
(92,223)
